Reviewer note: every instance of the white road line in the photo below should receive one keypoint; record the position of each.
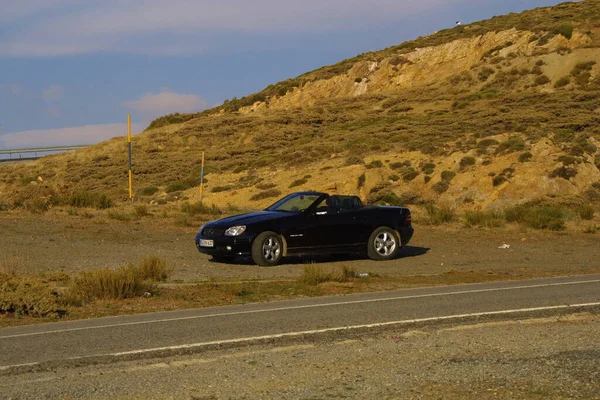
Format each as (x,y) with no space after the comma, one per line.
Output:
(311,332)
(300,307)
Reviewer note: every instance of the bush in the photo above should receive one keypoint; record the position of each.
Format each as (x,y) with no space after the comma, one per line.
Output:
(22,295)
(199,208)
(314,274)
(218,189)
(358,80)
(586,212)
(484,219)
(140,210)
(512,144)
(448,175)
(563,172)
(409,173)
(498,180)
(149,191)
(525,157)
(354,160)
(537,216)
(361,180)
(298,182)
(467,162)
(440,215)
(562,82)
(440,187)
(177,187)
(428,168)
(564,30)
(266,194)
(541,80)
(374,164)
(265,186)
(154,269)
(90,199)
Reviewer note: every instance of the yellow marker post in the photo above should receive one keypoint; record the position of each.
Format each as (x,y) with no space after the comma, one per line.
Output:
(202,179)
(129,152)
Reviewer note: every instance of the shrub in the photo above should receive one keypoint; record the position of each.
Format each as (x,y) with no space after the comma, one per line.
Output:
(361,180)
(90,199)
(409,173)
(266,194)
(22,295)
(467,162)
(567,160)
(514,143)
(440,215)
(391,199)
(374,164)
(564,30)
(140,210)
(441,187)
(358,80)
(199,208)
(562,82)
(149,191)
(484,219)
(394,178)
(154,269)
(121,283)
(541,80)
(525,157)
(448,175)
(498,180)
(315,274)
(563,172)
(218,189)
(119,215)
(428,168)
(265,186)
(177,187)
(298,182)
(586,212)
(537,216)
(354,160)
(400,165)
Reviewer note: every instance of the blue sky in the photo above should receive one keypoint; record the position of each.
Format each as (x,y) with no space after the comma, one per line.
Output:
(71,70)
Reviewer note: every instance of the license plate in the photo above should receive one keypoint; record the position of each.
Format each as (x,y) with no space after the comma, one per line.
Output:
(207,243)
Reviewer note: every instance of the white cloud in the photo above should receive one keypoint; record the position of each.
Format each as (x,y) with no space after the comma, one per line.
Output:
(87,134)
(184,26)
(53,94)
(155,105)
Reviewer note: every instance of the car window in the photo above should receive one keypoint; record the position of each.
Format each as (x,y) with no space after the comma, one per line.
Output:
(296,203)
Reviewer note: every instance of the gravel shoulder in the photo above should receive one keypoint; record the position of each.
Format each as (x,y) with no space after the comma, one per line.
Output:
(552,357)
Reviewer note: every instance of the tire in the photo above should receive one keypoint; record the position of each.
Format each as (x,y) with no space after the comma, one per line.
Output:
(384,244)
(223,259)
(267,249)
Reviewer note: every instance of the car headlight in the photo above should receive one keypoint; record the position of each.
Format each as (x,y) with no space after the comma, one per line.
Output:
(235,230)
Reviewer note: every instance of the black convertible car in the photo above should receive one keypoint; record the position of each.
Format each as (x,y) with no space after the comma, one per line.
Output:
(308,223)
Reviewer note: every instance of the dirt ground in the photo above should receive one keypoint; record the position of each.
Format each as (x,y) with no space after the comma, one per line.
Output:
(60,242)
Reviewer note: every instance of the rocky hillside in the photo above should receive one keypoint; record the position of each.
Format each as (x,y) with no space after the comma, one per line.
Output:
(481,115)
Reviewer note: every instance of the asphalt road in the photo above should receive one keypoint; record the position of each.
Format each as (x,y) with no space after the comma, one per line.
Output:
(106,340)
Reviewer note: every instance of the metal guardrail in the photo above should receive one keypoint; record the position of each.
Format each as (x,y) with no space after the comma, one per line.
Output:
(41,149)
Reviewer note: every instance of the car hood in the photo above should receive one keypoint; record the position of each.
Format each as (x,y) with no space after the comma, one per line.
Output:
(248,219)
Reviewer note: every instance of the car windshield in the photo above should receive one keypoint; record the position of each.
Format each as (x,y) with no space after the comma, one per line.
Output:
(296,202)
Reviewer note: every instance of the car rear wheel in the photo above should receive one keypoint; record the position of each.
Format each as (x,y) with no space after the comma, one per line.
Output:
(383,244)
(267,249)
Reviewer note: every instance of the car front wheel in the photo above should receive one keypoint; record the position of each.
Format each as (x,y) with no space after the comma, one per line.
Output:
(267,249)
(383,244)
